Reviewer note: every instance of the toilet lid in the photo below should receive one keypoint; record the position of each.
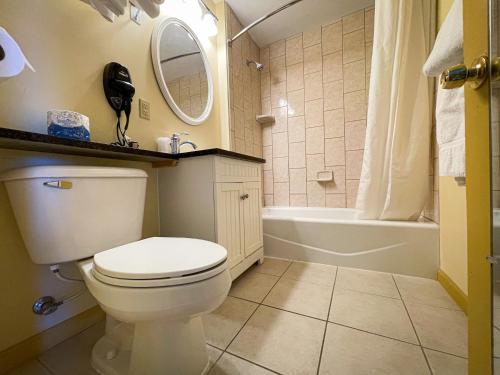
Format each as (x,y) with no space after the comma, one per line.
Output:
(159,258)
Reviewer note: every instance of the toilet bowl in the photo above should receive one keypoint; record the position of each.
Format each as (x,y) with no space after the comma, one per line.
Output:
(161,286)
(154,290)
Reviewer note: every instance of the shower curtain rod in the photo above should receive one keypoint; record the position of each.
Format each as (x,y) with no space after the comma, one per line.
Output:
(255,23)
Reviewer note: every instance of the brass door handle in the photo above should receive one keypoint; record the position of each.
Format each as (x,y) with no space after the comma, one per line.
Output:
(244,196)
(457,75)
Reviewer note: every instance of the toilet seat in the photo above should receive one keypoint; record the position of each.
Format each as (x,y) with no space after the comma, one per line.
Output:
(159,262)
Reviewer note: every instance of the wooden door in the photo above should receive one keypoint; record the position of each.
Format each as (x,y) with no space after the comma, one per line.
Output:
(252,210)
(230,219)
(478,190)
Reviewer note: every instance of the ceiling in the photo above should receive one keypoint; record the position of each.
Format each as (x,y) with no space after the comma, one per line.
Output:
(300,17)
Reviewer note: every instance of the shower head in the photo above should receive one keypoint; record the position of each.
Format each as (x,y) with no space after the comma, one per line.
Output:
(258,65)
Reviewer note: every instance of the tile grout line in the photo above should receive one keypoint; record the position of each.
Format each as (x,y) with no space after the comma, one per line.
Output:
(413,326)
(374,334)
(351,327)
(450,354)
(254,363)
(237,356)
(44,366)
(326,322)
(246,321)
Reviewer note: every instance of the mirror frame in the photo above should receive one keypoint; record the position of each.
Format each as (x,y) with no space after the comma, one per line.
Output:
(155,54)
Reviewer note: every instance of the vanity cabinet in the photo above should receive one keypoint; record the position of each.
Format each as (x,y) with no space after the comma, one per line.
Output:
(218,199)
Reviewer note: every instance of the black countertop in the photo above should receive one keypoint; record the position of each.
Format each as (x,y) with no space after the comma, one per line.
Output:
(220,152)
(28,141)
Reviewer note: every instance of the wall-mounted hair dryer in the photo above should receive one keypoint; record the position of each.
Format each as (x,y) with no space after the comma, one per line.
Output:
(119,92)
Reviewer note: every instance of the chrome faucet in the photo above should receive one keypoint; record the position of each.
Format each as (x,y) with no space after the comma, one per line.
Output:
(176,144)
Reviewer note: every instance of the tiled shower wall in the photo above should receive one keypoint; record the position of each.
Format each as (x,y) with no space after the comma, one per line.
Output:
(316,84)
(191,93)
(244,91)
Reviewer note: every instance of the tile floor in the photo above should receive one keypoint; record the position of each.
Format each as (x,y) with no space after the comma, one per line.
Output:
(286,317)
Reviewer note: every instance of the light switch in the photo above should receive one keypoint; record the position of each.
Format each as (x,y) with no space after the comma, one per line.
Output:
(144,109)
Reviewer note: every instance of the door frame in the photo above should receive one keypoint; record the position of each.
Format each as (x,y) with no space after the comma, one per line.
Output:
(478,193)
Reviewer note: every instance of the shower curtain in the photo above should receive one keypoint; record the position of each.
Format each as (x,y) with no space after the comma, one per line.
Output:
(394,183)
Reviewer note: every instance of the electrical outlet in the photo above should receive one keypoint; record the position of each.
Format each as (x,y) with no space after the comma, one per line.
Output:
(144,109)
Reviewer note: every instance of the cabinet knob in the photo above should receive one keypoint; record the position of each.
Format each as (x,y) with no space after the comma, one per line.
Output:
(244,196)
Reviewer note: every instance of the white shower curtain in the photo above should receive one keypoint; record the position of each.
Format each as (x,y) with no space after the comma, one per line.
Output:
(394,182)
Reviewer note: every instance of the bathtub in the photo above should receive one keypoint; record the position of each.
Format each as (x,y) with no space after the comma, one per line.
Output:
(334,236)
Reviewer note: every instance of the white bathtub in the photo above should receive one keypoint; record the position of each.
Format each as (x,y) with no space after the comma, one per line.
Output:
(334,236)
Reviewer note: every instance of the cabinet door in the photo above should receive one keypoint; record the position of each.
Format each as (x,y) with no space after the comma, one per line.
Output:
(252,207)
(229,213)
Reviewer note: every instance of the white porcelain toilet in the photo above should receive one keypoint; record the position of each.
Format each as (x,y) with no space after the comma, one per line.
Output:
(153,290)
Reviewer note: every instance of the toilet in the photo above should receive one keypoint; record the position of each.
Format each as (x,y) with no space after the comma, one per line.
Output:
(154,291)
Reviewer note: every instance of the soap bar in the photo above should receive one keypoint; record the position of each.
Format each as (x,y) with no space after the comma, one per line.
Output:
(68,124)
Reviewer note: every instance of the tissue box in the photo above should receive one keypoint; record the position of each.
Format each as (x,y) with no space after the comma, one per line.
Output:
(68,124)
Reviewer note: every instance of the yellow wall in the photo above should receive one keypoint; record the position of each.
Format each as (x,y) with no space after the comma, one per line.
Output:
(69,43)
(452,212)
(453,231)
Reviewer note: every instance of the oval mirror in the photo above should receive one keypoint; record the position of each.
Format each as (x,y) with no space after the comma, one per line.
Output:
(182,70)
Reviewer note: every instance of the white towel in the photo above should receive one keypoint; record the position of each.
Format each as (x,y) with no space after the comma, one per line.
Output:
(110,9)
(450,121)
(116,6)
(149,6)
(450,131)
(102,9)
(448,47)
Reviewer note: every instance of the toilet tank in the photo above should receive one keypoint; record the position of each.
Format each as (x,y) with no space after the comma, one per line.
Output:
(66,213)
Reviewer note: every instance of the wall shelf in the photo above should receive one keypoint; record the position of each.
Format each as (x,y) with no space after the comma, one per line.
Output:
(28,141)
(265,119)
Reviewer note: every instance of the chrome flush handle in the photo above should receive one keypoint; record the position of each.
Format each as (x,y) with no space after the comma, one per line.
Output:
(59,184)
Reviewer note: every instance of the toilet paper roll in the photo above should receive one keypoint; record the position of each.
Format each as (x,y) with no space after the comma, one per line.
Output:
(12,59)
(163,144)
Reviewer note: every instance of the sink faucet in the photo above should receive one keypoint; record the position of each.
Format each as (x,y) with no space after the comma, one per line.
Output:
(176,144)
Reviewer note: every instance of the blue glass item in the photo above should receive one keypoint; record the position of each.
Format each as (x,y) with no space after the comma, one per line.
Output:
(68,124)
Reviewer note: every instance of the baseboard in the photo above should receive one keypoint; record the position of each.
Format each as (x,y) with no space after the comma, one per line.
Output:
(39,343)
(453,290)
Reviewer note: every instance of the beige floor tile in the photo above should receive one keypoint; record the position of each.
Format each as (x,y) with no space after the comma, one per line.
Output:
(372,282)
(350,352)
(282,341)
(32,367)
(229,365)
(381,315)
(425,291)
(73,356)
(440,329)
(301,297)
(253,286)
(445,364)
(316,273)
(213,355)
(273,266)
(224,323)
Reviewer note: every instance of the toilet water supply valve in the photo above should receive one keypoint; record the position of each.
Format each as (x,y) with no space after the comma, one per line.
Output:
(47,304)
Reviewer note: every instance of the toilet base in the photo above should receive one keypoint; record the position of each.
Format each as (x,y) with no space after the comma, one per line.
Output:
(158,347)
